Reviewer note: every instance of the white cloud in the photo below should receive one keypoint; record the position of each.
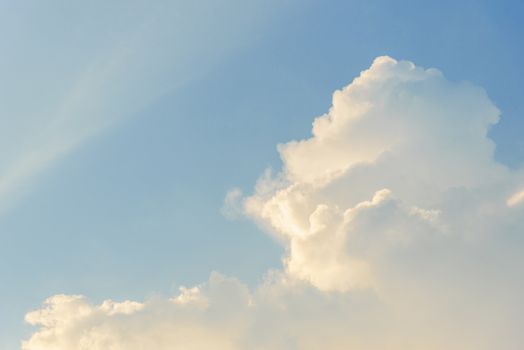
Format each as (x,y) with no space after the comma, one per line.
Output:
(397,130)
(208,319)
(397,235)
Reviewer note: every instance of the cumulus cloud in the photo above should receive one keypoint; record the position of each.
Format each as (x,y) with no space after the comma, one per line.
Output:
(196,319)
(400,232)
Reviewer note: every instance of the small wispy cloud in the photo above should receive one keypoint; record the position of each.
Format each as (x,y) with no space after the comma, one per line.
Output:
(516,199)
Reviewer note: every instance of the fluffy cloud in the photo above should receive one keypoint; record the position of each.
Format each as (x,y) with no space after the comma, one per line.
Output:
(384,169)
(195,319)
(400,232)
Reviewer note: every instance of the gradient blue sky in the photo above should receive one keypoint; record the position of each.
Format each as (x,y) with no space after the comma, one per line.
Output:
(177,103)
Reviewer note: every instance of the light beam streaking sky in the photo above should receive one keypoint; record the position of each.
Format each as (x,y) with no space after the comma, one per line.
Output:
(124,125)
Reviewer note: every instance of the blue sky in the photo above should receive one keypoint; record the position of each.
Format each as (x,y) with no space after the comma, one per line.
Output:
(144,117)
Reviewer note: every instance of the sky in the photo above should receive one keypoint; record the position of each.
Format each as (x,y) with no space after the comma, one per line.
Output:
(261,175)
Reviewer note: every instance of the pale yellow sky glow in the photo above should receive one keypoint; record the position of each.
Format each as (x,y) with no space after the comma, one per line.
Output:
(516,199)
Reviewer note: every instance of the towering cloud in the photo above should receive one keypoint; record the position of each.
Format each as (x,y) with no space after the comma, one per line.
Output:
(400,230)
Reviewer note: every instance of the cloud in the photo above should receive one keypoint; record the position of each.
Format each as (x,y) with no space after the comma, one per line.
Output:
(196,319)
(232,207)
(516,199)
(397,233)
(378,171)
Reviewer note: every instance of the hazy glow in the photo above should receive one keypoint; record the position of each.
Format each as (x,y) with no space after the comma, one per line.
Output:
(516,199)
(119,75)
